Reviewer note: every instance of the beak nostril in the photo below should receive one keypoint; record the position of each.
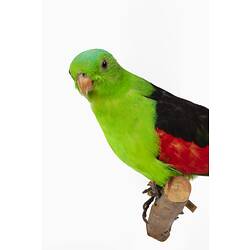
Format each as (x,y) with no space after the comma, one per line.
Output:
(81,74)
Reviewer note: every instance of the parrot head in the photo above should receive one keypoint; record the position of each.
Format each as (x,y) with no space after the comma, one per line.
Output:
(95,73)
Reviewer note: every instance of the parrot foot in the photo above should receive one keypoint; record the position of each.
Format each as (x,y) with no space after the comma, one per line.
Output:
(155,192)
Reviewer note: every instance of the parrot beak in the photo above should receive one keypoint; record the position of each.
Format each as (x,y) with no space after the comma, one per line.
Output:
(85,84)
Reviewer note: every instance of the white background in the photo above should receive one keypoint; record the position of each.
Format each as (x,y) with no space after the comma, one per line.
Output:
(21,125)
(91,199)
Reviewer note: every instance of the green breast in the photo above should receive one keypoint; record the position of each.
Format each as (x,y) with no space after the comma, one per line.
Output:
(128,123)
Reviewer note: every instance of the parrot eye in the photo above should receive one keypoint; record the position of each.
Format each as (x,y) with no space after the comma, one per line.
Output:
(104,64)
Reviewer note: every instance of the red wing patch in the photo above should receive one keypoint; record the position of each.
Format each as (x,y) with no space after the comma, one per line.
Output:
(186,157)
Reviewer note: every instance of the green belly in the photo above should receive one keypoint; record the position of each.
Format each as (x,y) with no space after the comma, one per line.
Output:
(129,127)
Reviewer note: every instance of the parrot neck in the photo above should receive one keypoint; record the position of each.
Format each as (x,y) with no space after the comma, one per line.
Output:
(140,85)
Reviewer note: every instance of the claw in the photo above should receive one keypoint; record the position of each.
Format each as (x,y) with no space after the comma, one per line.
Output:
(147,190)
(145,208)
(155,192)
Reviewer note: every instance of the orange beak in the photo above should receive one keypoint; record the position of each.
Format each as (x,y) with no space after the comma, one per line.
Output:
(85,84)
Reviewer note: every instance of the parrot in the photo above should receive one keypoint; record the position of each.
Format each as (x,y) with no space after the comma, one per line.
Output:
(151,130)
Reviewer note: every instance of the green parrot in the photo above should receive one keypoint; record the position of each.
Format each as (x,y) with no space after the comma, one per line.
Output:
(153,131)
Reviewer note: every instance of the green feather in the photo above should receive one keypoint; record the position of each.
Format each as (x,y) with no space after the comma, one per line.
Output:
(125,114)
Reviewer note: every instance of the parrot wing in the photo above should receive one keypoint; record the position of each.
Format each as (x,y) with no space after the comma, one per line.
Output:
(183,130)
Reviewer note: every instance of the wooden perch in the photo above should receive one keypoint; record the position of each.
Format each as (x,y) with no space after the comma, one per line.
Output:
(165,210)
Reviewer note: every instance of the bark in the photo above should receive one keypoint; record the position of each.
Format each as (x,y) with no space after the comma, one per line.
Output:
(166,209)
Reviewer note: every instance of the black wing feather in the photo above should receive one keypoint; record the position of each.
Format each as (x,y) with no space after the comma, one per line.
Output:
(181,118)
